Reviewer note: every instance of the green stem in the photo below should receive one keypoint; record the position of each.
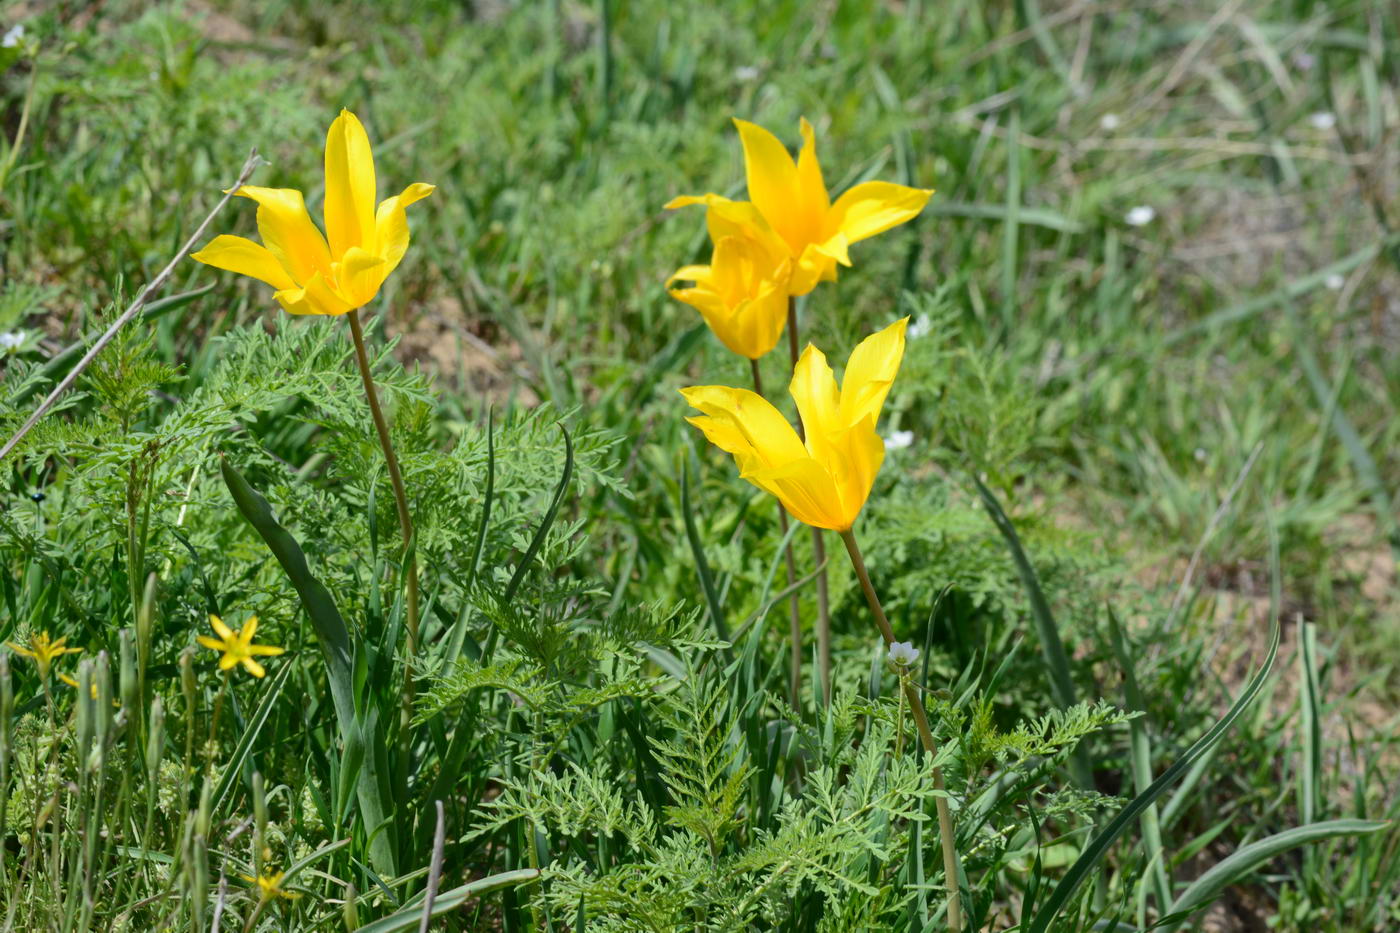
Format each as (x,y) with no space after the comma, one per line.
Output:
(794,604)
(400,500)
(818,544)
(916,707)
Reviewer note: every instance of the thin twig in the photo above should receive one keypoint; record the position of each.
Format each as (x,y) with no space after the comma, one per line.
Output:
(155,285)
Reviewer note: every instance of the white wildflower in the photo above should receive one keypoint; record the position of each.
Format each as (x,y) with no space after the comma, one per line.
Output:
(746,73)
(903,653)
(898,440)
(1323,120)
(11,339)
(919,327)
(1141,216)
(1110,122)
(1335,281)
(13,37)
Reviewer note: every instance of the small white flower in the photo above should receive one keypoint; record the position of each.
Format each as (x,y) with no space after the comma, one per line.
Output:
(746,73)
(919,327)
(1323,120)
(898,440)
(1200,455)
(1335,281)
(1141,216)
(13,37)
(1110,122)
(1304,61)
(903,653)
(11,339)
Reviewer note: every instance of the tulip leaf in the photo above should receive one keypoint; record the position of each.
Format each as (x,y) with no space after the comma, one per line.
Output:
(334,639)
(1243,861)
(702,566)
(411,915)
(1098,847)
(1056,660)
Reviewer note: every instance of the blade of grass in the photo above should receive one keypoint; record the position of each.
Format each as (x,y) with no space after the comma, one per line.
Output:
(1056,660)
(546,523)
(1240,864)
(702,566)
(1142,767)
(1094,852)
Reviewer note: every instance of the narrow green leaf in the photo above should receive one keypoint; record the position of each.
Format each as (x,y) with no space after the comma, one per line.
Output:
(1056,660)
(412,913)
(1242,862)
(550,514)
(234,765)
(702,566)
(1097,848)
(334,639)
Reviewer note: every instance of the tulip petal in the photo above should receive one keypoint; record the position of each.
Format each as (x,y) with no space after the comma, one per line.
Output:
(743,422)
(815,198)
(391,225)
(696,274)
(688,200)
(774,186)
(873,207)
(358,276)
(818,399)
(208,642)
(242,255)
(288,232)
(253,667)
(859,453)
(807,491)
(316,298)
(266,650)
(227,661)
(870,371)
(350,186)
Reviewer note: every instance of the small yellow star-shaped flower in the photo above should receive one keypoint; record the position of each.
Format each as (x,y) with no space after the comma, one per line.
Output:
(270,886)
(43,651)
(237,647)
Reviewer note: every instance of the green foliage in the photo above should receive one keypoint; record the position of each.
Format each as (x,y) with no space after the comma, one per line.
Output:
(1186,423)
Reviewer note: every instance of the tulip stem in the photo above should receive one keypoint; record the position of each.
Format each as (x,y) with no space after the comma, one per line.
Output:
(400,499)
(794,604)
(916,707)
(818,545)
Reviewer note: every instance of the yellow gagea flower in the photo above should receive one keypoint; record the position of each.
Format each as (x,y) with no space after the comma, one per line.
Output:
(742,294)
(330,274)
(42,651)
(825,481)
(237,647)
(788,200)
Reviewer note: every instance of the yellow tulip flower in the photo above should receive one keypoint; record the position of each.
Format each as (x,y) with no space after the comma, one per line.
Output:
(42,651)
(330,274)
(237,647)
(789,201)
(825,481)
(741,294)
